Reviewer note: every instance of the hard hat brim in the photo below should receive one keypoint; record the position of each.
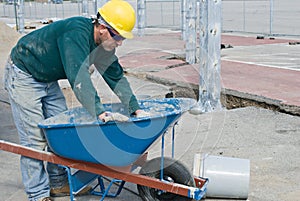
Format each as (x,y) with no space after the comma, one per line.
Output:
(127,35)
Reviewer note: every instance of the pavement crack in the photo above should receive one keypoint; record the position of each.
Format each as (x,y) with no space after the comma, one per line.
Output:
(177,65)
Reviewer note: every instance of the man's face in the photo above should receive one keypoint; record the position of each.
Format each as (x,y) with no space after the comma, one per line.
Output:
(111,39)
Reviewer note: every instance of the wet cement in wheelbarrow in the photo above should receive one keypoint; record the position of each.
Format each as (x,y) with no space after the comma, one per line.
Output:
(81,116)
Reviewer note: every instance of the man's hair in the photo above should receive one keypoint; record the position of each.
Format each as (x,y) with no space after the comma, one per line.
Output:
(98,19)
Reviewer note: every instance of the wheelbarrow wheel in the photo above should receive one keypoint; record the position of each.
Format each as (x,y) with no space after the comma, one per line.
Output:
(174,171)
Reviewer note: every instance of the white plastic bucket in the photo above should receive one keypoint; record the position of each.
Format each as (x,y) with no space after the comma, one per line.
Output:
(228,177)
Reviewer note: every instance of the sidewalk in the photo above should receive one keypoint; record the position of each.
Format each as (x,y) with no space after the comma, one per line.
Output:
(251,70)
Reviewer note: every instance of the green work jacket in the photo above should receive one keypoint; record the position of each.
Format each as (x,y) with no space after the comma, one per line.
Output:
(65,50)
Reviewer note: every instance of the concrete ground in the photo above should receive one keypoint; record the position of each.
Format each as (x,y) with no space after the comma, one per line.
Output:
(269,139)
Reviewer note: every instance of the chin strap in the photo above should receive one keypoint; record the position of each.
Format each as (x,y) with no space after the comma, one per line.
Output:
(94,19)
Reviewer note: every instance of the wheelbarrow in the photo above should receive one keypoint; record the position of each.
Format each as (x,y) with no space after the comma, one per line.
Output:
(114,149)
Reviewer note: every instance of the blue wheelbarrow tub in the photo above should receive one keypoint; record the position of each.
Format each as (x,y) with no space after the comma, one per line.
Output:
(76,135)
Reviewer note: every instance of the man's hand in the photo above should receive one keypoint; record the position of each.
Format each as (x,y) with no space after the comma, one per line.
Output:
(141,113)
(109,116)
(104,115)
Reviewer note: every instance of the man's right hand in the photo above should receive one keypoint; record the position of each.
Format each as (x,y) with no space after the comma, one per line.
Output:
(141,113)
(104,116)
(109,116)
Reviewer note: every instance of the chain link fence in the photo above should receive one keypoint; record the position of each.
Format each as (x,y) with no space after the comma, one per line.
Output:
(42,9)
(271,17)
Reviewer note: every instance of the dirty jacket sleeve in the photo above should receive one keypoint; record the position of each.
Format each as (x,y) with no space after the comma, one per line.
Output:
(75,59)
(113,74)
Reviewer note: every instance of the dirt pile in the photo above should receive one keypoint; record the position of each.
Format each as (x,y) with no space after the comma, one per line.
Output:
(8,37)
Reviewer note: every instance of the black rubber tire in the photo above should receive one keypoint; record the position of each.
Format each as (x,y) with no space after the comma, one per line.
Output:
(174,171)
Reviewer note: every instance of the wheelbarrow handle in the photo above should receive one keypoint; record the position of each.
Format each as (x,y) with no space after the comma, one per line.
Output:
(122,173)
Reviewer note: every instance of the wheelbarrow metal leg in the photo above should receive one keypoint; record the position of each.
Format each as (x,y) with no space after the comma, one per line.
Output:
(78,180)
(105,192)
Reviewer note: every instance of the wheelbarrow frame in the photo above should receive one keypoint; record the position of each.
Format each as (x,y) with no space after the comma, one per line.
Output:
(122,174)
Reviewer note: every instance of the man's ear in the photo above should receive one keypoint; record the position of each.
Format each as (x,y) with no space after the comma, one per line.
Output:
(102,28)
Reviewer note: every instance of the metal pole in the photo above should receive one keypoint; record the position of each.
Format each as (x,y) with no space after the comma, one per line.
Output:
(271,16)
(141,16)
(85,8)
(173,7)
(183,19)
(161,14)
(191,16)
(21,16)
(244,15)
(210,62)
(63,10)
(16,14)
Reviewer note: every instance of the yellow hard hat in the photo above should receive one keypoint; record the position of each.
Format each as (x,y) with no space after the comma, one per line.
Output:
(119,15)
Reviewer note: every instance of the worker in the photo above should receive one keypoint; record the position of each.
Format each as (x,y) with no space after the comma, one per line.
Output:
(65,49)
